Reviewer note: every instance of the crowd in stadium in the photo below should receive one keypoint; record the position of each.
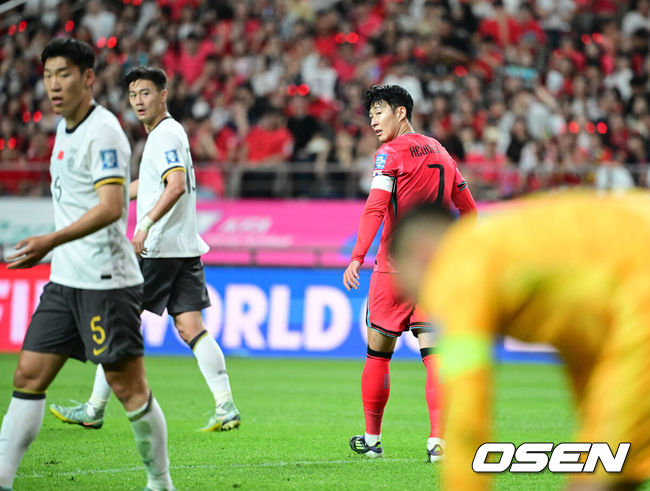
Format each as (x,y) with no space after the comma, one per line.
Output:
(524,94)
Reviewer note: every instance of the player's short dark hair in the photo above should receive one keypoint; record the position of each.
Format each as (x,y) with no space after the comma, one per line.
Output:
(155,75)
(393,95)
(76,52)
(418,218)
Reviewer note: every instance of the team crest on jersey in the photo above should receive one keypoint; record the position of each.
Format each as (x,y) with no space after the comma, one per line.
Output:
(109,159)
(380,161)
(171,156)
(70,158)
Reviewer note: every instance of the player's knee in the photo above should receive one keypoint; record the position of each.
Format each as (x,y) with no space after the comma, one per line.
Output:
(189,326)
(127,380)
(28,378)
(186,334)
(119,386)
(426,339)
(381,342)
(127,389)
(20,378)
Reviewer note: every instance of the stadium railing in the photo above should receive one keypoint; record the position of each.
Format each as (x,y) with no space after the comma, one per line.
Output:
(308,180)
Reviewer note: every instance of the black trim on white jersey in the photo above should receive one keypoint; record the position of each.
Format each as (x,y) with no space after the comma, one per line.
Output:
(173,168)
(72,130)
(158,123)
(106,178)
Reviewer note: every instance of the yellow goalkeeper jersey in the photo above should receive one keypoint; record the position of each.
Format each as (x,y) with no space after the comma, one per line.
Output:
(570,270)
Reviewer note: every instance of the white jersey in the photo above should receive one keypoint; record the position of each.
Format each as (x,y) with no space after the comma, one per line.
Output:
(175,234)
(93,153)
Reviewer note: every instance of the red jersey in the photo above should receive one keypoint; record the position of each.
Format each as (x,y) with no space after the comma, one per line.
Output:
(409,170)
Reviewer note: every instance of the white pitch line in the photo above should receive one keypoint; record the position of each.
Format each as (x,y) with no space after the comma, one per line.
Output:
(205,466)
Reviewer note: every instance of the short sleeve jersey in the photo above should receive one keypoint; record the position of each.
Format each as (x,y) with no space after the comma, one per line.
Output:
(93,153)
(176,234)
(417,169)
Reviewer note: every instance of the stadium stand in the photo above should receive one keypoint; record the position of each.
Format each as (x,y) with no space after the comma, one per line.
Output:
(525,95)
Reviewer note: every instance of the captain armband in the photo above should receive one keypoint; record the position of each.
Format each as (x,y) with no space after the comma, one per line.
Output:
(385,183)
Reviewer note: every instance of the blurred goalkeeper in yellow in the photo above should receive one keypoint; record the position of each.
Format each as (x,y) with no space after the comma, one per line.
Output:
(569,270)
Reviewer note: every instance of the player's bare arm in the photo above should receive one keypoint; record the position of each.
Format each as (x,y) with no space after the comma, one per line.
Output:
(32,249)
(133,190)
(174,189)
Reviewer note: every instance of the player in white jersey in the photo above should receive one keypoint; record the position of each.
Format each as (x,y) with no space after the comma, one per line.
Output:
(169,246)
(90,308)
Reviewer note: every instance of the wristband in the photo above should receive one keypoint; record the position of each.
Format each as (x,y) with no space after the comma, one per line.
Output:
(145,224)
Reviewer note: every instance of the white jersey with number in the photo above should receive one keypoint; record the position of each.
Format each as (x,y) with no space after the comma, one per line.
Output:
(175,234)
(93,153)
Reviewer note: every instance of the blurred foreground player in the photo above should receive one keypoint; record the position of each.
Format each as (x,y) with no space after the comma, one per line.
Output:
(169,246)
(409,169)
(90,309)
(571,271)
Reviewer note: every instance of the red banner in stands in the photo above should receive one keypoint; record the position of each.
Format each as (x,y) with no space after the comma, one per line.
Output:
(19,293)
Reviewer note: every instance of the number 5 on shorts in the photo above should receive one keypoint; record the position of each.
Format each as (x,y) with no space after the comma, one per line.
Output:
(99,336)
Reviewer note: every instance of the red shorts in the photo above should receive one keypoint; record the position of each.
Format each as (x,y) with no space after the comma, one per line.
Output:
(388,313)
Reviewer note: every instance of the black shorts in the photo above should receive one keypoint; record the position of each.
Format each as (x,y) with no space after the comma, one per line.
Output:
(177,284)
(102,326)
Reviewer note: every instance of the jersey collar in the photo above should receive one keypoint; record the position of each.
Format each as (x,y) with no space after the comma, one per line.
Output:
(90,110)
(158,123)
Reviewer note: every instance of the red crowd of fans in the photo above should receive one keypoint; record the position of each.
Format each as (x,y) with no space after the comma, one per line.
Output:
(522,92)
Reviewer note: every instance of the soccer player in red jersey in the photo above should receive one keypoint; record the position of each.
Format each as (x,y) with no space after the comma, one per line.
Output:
(409,169)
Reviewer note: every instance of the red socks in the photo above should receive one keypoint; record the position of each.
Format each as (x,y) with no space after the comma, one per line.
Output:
(433,391)
(375,388)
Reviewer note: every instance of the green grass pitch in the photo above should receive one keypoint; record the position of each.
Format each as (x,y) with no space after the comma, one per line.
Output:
(297,418)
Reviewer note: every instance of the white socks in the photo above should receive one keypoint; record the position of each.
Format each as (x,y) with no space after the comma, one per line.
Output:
(150,430)
(211,362)
(213,367)
(20,426)
(23,421)
(372,439)
(101,393)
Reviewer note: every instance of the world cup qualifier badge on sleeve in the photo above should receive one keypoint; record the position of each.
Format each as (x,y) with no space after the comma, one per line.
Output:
(109,159)
(380,163)
(171,156)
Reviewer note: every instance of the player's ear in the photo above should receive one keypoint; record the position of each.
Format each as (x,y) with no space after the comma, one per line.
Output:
(163,94)
(89,77)
(401,113)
